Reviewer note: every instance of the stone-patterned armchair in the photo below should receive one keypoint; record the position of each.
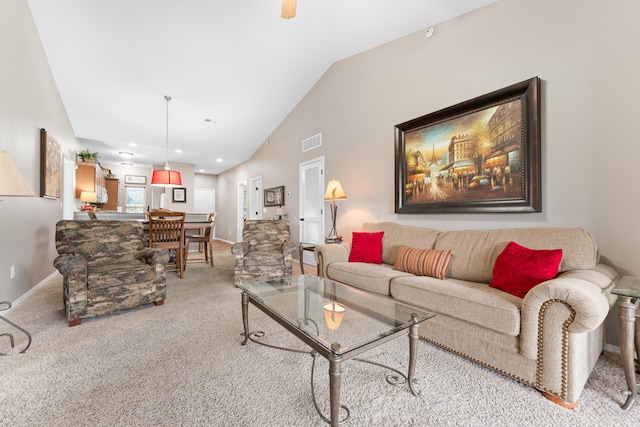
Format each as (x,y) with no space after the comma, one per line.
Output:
(106,268)
(265,252)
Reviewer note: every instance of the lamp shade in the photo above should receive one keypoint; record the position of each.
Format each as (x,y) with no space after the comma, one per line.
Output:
(289,9)
(333,314)
(166,178)
(334,191)
(280,212)
(12,183)
(88,196)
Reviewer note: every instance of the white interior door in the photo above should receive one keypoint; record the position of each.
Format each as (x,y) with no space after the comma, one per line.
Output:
(311,205)
(204,200)
(255,198)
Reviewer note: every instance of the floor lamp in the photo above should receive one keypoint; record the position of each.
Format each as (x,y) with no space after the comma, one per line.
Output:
(334,192)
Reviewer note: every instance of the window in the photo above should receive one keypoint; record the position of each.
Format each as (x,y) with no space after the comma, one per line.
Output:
(134,199)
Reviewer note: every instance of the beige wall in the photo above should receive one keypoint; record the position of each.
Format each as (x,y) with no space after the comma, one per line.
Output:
(585,53)
(29,100)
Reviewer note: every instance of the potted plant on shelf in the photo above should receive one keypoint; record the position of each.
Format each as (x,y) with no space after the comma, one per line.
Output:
(86,156)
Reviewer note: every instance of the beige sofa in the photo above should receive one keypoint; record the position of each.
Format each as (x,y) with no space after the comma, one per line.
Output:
(550,339)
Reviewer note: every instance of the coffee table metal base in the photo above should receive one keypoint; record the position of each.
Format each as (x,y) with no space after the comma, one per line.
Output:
(335,366)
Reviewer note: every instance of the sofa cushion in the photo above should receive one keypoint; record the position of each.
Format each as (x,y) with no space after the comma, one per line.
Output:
(518,269)
(423,262)
(472,302)
(264,258)
(475,251)
(370,277)
(366,247)
(122,274)
(396,235)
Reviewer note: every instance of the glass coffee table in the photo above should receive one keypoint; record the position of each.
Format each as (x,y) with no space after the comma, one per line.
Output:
(337,322)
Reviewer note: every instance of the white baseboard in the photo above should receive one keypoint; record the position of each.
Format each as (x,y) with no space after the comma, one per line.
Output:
(32,290)
(610,348)
(223,240)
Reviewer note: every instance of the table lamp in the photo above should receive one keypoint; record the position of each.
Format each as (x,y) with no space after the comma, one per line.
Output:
(334,192)
(280,212)
(88,197)
(12,183)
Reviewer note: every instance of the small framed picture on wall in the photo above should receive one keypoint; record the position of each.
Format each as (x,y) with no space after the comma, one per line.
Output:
(180,195)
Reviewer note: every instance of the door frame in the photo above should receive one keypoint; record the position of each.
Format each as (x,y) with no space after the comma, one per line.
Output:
(241,213)
(255,197)
(307,256)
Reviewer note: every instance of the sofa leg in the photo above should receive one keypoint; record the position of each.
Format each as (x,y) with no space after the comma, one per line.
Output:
(558,401)
(159,302)
(75,322)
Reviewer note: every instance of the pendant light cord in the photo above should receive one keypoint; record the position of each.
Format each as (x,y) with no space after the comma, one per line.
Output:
(166,164)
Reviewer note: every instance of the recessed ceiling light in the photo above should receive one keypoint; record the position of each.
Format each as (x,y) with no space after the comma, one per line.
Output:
(125,154)
(133,144)
(178,150)
(200,170)
(126,165)
(219,160)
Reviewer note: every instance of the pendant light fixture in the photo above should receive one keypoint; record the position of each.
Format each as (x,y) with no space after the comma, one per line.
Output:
(166,177)
(289,9)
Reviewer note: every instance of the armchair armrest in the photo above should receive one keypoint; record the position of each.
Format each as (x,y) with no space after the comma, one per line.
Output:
(239,249)
(326,254)
(153,256)
(289,248)
(74,281)
(68,264)
(558,306)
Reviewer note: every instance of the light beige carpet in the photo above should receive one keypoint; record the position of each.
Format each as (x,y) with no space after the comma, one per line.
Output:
(181,364)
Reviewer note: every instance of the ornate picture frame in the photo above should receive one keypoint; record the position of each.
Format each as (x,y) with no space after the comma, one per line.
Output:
(274,196)
(50,166)
(482,155)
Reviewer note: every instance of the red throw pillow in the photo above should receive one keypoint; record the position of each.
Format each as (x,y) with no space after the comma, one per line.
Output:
(366,247)
(518,269)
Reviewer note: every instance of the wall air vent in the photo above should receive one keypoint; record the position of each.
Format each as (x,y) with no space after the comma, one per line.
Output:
(313,142)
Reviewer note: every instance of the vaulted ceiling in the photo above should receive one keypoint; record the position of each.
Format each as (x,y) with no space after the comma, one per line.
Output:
(234,69)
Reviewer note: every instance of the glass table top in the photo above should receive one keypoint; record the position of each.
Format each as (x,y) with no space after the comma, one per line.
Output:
(628,286)
(338,317)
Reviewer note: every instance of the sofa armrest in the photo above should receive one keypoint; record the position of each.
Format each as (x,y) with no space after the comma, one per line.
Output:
(557,307)
(326,254)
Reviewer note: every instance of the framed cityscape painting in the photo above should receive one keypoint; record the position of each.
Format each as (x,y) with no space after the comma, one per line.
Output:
(481,155)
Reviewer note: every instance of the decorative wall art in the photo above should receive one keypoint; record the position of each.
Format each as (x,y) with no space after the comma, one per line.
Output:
(135,179)
(179,195)
(481,155)
(274,196)
(50,166)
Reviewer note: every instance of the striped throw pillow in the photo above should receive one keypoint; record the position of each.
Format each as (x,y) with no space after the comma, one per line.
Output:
(424,262)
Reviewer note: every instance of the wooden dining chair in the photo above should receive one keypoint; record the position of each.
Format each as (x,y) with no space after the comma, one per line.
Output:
(205,237)
(166,231)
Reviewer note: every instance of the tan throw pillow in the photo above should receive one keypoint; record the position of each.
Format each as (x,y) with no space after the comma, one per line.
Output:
(424,262)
